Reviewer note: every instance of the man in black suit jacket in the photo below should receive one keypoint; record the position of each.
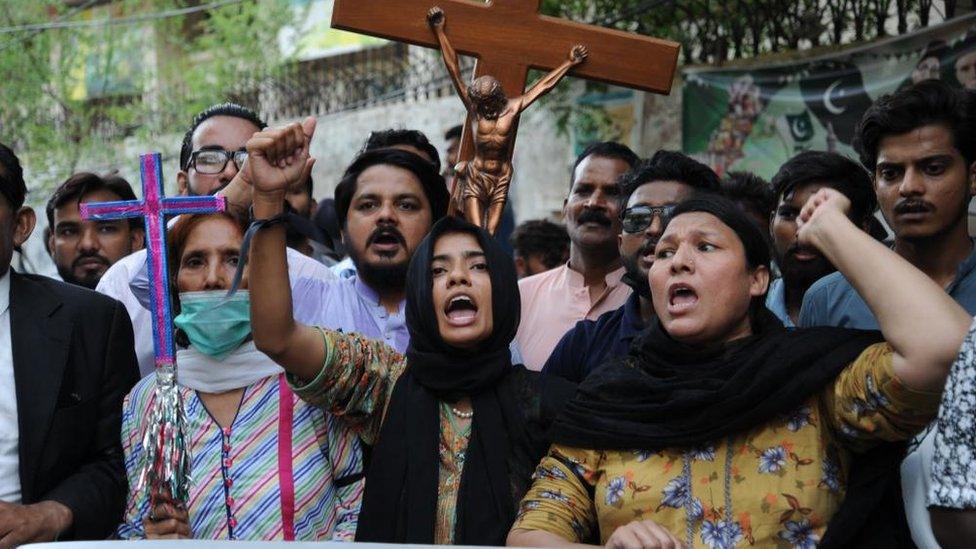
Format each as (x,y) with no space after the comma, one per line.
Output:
(72,361)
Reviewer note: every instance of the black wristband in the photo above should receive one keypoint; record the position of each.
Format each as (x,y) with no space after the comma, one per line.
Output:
(255,226)
(267,222)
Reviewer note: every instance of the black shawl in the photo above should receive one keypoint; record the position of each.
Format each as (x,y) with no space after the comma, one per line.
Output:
(400,501)
(665,394)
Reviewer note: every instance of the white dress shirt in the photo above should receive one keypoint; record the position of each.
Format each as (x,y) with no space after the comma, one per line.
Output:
(9,431)
(115,283)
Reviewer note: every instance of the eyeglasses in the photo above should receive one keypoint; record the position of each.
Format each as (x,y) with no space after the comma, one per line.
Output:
(638,218)
(213,161)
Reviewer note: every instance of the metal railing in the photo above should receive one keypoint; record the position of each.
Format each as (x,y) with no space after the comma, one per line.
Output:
(393,72)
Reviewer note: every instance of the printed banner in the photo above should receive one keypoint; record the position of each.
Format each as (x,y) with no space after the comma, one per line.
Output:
(754,119)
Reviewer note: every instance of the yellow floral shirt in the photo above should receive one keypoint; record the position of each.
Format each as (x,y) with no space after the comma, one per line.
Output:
(776,485)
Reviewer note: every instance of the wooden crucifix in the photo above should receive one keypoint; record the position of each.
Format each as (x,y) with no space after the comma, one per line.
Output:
(508,37)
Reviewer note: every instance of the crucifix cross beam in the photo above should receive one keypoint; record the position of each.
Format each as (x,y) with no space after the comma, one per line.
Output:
(153,208)
(508,37)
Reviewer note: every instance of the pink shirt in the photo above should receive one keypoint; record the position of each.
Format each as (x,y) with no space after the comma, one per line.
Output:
(553,302)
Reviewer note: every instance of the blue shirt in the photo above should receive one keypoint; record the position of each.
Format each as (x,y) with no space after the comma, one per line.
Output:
(351,306)
(592,342)
(776,302)
(832,301)
(344,269)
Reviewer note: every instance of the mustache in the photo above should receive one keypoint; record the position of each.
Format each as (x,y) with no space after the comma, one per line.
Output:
(101,259)
(593,216)
(386,231)
(647,247)
(796,248)
(913,205)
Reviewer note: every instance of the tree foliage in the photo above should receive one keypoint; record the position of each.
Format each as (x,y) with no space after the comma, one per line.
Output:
(71,95)
(715,31)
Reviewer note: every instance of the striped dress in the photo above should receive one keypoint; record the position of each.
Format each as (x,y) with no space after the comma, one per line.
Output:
(240,489)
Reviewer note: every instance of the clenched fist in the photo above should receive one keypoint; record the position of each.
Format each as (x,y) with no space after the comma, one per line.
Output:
(278,158)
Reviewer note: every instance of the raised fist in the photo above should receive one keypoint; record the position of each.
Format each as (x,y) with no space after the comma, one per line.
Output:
(278,158)
(578,54)
(821,211)
(435,17)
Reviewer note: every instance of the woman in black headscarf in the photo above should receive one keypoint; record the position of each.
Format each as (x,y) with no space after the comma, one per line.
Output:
(456,428)
(722,428)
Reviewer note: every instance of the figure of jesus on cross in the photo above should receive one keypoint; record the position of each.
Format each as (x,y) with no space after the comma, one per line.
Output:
(482,183)
(508,37)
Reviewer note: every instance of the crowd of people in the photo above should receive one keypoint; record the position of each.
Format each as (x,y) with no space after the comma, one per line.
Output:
(689,361)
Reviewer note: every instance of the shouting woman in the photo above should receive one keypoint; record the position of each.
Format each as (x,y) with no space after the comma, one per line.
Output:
(724,429)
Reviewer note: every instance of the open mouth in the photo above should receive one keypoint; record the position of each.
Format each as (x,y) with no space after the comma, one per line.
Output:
(681,298)
(461,310)
(386,241)
(647,253)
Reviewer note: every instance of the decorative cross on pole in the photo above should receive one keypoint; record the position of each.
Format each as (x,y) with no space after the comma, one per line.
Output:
(509,37)
(167,465)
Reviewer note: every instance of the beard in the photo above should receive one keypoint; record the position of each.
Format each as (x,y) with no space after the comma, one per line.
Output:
(633,275)
(801,276)
(490,106)
(383,276)
(89,281)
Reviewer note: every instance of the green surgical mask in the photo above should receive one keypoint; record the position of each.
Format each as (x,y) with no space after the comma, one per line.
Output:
(215,324)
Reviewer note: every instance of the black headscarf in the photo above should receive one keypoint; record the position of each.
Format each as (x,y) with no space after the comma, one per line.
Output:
(400,502)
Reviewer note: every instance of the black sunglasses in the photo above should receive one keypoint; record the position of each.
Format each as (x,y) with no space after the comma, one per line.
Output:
(638,218)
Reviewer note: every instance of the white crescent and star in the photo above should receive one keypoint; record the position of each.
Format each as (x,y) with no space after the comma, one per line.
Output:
(828,102)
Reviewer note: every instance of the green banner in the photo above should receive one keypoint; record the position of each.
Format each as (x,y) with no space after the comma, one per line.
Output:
(754,119)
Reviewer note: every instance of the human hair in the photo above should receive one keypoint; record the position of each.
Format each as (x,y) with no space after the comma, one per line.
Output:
(750,191)
(392,137)
(221,109)
(176,238)
(430,180)
(454,132)
(926,103)
(753,240)
(82,183)
(936,48)
(834,170)
(327,220)
(179,234)
(668,166)
(605,149)
(12,185)
(545,239)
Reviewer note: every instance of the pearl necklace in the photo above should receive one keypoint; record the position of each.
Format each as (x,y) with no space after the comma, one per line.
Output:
(462,415)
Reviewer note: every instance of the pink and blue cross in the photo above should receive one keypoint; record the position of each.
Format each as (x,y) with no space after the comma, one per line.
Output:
(153,208)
